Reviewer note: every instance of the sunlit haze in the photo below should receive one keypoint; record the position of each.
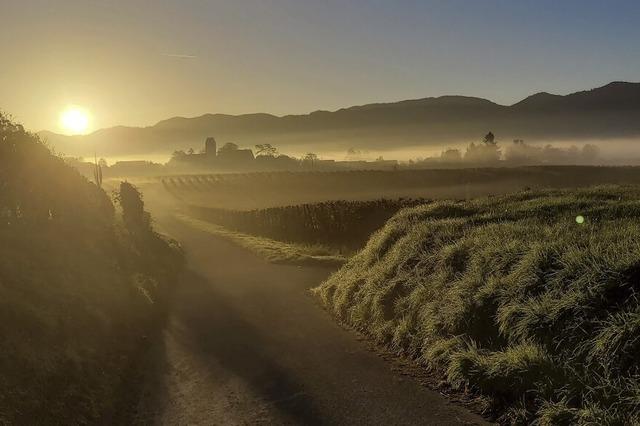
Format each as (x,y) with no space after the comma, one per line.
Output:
(135,63)
(319,212)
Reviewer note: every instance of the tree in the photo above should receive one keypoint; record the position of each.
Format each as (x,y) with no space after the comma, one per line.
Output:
(310,158)
(554,155)
(451,156)
(590,153)
(228,147)
(266,150)
(486,152)
(354,154)
(136,219)
(489,139)
(178,154)
(520,152)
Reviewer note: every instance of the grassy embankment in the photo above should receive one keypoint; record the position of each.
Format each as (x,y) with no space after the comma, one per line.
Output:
(511,297)
(83,285)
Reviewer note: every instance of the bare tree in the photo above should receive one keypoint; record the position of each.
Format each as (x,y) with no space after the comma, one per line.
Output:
(310,158)
(266,150)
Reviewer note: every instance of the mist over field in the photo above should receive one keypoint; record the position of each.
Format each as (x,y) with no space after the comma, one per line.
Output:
(248,212)
(403,130)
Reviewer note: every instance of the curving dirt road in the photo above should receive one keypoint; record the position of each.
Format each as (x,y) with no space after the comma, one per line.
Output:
(247,344)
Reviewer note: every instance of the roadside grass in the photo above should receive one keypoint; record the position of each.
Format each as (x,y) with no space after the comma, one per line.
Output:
(512,298)
(272,250)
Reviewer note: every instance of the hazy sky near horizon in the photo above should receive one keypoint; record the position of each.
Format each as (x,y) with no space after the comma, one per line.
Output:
(140,61)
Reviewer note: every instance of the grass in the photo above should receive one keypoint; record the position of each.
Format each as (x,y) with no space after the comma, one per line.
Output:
(512,298)
(272,250)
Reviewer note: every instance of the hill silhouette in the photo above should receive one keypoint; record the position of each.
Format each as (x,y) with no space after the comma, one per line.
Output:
(611,111)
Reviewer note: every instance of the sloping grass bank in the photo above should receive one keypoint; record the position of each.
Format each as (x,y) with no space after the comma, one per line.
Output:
(83,285)
(529,298)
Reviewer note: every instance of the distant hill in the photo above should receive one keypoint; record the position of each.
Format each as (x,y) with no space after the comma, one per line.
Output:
(611,111)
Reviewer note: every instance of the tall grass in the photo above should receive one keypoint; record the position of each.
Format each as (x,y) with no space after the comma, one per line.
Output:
(512,297)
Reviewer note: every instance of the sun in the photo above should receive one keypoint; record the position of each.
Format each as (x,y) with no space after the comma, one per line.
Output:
(74,120)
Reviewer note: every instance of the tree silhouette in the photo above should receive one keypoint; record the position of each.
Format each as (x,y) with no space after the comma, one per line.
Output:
(451,156)
(310,158)
(489,139)
(135,218)
(266,150)
(484,153)
(590,152)
(177,154)
(228,147)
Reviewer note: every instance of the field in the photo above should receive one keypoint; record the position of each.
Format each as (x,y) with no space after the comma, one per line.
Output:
(530,299)
(264,190)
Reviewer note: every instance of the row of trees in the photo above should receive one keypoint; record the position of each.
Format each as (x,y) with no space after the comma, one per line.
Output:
(269,151)
(488,151)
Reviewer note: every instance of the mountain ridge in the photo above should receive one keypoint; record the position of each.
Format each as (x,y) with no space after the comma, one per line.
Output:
(609,111)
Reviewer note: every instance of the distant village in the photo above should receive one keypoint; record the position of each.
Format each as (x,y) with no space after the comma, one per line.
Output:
(230,158)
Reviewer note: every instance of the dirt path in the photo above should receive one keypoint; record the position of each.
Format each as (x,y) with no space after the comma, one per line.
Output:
(247,344)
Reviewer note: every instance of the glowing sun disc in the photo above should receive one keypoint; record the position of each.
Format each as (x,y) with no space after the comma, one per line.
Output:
(74,120)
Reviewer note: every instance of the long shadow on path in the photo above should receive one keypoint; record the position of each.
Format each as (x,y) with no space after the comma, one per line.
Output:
(220,334)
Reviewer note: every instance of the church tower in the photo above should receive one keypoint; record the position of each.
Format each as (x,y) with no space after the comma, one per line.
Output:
(210,147)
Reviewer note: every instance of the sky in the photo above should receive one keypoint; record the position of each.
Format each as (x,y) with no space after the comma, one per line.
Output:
(137,62)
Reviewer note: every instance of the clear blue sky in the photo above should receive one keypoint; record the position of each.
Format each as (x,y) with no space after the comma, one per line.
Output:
(137,62)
